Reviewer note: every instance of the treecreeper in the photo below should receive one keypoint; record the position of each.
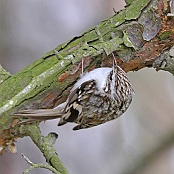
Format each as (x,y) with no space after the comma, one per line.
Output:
(97,97)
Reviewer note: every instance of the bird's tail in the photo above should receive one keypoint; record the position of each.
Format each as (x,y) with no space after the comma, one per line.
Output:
(39,115)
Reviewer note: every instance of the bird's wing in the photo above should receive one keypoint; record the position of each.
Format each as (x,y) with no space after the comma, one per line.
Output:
(74,106)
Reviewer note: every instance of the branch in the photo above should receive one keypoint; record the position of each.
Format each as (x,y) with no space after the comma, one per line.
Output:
(140,36)
(33,166)
(4,75)
(45,144)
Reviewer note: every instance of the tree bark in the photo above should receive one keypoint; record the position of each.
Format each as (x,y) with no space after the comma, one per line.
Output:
(141,35)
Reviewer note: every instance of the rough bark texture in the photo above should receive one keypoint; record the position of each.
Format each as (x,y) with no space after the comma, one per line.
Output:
(140,36)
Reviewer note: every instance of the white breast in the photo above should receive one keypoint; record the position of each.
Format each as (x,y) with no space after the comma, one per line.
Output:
(99,75)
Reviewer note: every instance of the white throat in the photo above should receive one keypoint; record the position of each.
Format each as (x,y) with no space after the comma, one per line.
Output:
(100,75)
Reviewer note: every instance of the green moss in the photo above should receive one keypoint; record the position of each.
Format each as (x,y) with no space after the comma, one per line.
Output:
(119,18)
(13,86)
(129,1)
(165,35)
(134,10)
(91,36)
(46,64)
(124,53)
(73,45)
(3,75)
(104,27)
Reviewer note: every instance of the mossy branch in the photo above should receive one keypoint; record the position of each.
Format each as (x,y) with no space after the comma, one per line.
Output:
(140,36)
(45,144)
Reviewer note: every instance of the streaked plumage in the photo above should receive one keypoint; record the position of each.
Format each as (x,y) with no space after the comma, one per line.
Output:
(99,96)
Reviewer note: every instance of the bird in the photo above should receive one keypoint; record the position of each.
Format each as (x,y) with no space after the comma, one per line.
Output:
(99,96)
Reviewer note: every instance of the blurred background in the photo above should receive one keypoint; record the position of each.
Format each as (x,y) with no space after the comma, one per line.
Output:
(139,142)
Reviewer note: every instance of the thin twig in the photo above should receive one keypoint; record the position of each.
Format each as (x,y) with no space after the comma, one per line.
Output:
(33,166)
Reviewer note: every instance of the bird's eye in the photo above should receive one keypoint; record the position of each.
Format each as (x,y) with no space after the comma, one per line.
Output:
(110,76)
